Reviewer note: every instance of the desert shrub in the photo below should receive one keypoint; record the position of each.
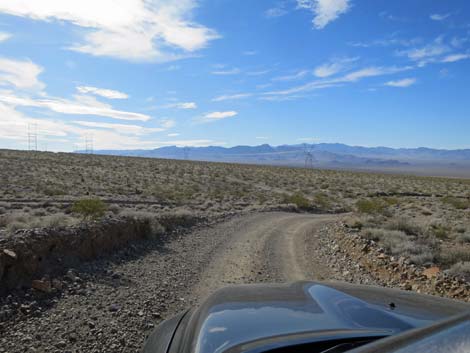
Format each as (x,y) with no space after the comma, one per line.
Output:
(178,219)
(449,257)
(370,206)
(115,209)
(353,222)
(405,225)
(458,203)
(298,199)
(395,242)
(322,201)
(461,269)
(440,231)
(155,228)
(89,209)
(39,213)
(16,225)
(54,221)
(463,238)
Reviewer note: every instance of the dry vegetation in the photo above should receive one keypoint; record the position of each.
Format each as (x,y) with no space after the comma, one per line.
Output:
(425,219)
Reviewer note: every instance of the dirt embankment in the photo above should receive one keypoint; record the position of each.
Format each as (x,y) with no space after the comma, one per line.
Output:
(32,257)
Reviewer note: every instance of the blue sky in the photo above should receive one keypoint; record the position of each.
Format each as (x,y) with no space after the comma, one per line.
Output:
(147,73)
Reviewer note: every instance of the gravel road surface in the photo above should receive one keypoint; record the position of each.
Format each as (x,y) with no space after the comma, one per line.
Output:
(111,304)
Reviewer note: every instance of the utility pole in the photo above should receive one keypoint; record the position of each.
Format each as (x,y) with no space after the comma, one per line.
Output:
(89,144)
(32,137)
(308,153)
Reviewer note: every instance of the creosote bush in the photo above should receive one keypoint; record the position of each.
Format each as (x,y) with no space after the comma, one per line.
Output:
(299,200)
(89,209)
(370,206)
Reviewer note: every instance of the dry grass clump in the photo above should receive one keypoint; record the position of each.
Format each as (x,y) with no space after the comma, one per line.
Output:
(461,269)
(396,242)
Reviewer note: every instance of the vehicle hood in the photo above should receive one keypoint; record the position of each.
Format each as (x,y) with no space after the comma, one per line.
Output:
(237,317)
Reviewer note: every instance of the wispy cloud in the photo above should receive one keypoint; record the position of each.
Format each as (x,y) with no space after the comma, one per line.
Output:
(405,82)
(353,76)
(428,53)
(250,52)
(439,17)
(325,11)
(215,116)
(21,74)
(182,105)
(333,67)
(233,71)
(137,29)
(82,105)
(232,97)
(455,57)
(387,42)
(295,76)
(4,36)
(276,11)
(121,128)
(103,92)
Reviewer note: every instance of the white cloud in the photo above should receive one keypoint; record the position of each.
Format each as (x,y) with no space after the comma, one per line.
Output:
(22,74)
(106,93)
(275,11)
(406,82)
(183,105)
(4,36)
(354,76)
(173,134)
(325,11)
(428,53)
(296,76)
(126,29)
(233,71)
(231,97)
(333,67)
(439,17)
(120,128)
(455,57)
(214,116)
(82,105)
(167,123)
(250,52)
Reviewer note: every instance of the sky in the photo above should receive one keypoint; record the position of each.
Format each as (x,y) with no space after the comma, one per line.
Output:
(141,74)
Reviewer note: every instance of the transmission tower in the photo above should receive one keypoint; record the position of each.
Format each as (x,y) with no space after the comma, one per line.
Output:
(308,154)
(32,137)
(89,144)
(186,153)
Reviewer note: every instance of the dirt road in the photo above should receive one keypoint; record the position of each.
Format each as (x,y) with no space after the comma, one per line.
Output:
(112,303)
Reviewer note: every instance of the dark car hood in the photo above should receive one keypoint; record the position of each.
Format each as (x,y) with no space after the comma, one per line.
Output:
(239,317)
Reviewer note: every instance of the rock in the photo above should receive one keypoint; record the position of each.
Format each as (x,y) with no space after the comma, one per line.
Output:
(114,308)
(42,286)
(431,272)
(381,256)
(11,254)
(57,284)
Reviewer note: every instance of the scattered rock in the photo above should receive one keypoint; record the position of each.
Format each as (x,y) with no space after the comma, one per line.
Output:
(42,286)
(11,254)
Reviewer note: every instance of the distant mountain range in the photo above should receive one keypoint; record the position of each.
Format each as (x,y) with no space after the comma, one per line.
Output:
(426,161)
